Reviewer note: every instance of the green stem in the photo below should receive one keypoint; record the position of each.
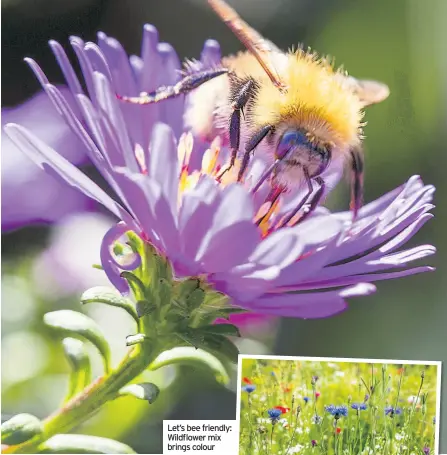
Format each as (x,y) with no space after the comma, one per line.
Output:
(88,401)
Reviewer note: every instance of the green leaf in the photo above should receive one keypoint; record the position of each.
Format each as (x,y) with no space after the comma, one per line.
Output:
(81,374)
(221,329)
(135,284)
(77,325)
(143,391)
(221,345)
(144,308)
(186,287)
(76,443)
(135,339)
(109,296)
(163,293)
(20,428)
(195,299)
(191,356)
(228,311)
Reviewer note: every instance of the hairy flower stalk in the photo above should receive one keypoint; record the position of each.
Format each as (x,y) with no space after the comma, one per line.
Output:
(191,247)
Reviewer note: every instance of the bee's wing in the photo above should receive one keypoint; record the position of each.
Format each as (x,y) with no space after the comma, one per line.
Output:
(369,92)
(255,43)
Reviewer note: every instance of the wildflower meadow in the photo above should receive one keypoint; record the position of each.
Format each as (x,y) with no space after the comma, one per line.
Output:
(329,407)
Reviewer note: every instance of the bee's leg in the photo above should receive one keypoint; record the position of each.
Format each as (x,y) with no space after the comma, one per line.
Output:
(315,200)
(310,189)
(240,99)
(188,83)
(357,181)
(250,146)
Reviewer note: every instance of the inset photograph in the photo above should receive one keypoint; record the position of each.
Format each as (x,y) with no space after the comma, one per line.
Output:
(289,405)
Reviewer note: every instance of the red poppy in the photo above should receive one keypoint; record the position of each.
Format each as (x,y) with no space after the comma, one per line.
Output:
(317,394)
(338,430)
(246,380)
(287,389)
(282,409)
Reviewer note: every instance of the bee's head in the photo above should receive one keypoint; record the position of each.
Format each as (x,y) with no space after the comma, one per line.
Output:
(297,148)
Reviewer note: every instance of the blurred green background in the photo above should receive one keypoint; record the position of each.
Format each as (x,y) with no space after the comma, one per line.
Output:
(400,42)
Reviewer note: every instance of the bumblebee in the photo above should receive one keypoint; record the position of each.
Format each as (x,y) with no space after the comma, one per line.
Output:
(294,107)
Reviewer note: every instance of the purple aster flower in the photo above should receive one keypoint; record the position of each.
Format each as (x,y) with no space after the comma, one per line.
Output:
(220,230)
(274,414)
(249,388)
(314,442)
(426,450)
(337,411)
(28,194)
(359,406)
(391,411)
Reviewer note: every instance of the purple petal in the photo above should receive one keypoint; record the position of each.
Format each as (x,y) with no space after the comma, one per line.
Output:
(350,280)
(171,111)
(108,104)
(280,249)
(66,67)
(163,163)
(196,214)
(108,262)
(232,236)
(309,306)
(55,164)
(211,55)
(149,79)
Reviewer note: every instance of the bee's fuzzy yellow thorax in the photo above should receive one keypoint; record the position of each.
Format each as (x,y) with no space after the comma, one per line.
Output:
(314,100)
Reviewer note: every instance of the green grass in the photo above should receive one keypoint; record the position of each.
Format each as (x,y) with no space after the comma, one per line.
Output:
(286,383)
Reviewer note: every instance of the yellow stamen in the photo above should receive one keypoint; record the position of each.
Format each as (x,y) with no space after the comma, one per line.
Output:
(264,220)
(184,148)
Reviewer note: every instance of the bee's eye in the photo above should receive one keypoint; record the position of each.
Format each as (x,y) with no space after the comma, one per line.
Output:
(289,140)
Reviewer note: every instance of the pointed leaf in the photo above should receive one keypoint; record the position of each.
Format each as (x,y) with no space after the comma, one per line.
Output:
(144,391)
(135,284)
(221,345)
(81,373)
(191,356)
(76,443)
(195,299)
(109,296)
(20,428)
(186,287)
(77,325)
(221,329)
(227,312)
(144,308)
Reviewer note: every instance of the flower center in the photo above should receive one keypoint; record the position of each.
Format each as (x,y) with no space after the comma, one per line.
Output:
(212,165)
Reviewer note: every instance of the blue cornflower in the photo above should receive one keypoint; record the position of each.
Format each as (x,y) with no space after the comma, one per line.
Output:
(337,411)
(359,406)
(249,388)
(306,399)
(274,414)
(389,410)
